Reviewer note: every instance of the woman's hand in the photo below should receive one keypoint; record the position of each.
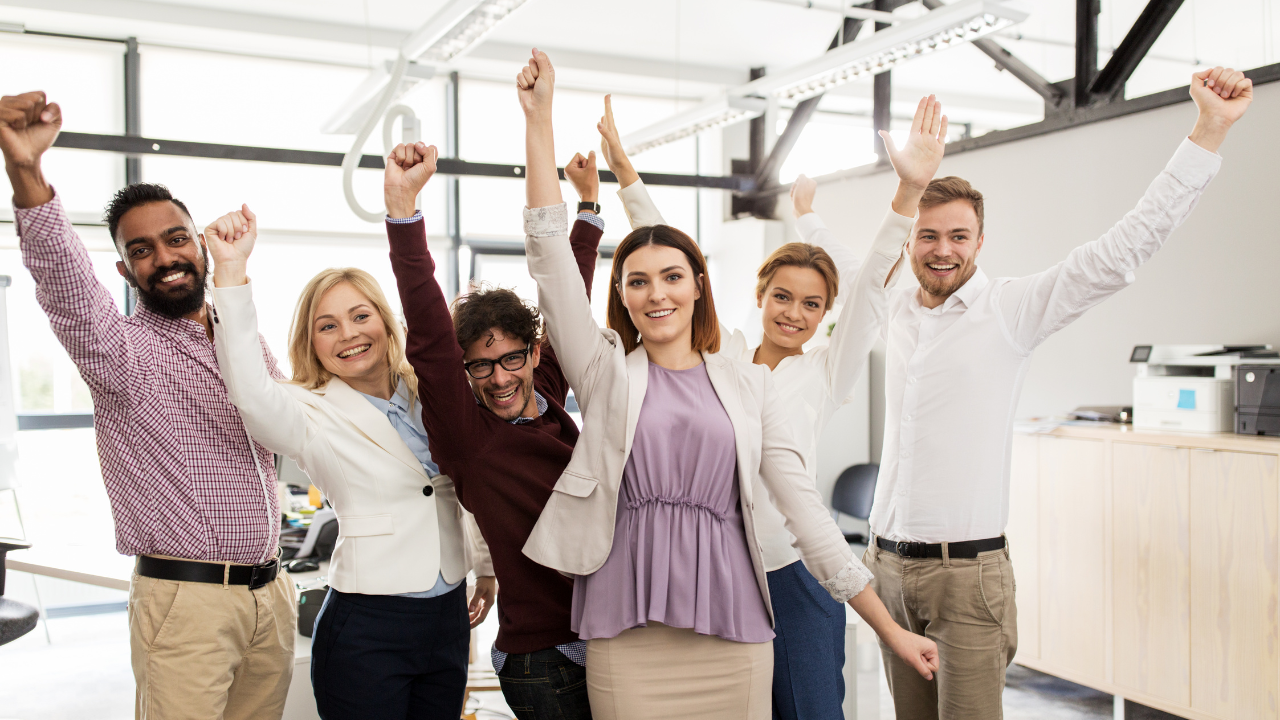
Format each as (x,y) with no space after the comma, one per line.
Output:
(915,650)
(409,167)
(230,240)
(584,176)
(611,147)
(535,85)
(482,599)
(802,192)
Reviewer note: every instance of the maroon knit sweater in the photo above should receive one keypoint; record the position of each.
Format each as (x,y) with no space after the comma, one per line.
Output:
(504,473)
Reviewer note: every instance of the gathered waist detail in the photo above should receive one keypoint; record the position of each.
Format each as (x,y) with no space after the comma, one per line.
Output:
(638,503)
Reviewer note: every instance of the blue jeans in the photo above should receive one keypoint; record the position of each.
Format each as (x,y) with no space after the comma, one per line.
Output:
(381,657)
(808,647)
(545,685)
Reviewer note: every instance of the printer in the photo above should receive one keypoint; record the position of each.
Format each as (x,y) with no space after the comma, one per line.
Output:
(1191,387)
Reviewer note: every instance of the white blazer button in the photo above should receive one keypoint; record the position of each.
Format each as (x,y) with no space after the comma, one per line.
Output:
(427,490)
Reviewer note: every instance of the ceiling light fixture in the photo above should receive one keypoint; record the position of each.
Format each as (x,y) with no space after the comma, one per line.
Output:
(946,27)
(940,29)
(724,110)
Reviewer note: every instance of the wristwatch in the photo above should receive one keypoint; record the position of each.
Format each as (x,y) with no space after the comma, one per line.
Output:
(591,206)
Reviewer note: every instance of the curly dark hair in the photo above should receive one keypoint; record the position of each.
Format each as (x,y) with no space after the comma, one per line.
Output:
(486,307)
(135,195)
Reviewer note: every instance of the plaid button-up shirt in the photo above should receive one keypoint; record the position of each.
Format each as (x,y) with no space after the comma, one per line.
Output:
(178,464)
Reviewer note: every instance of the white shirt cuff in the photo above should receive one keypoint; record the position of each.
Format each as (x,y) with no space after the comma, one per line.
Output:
(808,224)
(1192,165)
(550,221)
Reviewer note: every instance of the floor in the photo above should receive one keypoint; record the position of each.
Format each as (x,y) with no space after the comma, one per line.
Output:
(85,674)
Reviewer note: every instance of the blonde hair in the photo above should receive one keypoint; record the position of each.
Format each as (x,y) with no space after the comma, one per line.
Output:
(802,255)
(307,369)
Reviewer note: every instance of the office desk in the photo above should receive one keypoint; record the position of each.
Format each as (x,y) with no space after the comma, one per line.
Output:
(1148,565)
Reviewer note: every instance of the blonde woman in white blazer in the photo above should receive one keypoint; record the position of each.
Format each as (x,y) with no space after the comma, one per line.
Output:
(653,512)
(393,636)
(796,287)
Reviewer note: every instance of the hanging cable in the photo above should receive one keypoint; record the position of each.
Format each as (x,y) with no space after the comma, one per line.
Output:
(352,159)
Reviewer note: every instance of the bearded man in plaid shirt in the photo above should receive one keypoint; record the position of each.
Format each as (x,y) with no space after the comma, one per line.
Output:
(212,617)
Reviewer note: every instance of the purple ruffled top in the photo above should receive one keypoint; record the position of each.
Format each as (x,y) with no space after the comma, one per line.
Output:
(679,552)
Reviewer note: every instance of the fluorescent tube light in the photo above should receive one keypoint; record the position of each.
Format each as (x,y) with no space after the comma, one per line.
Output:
(12,27)
(456,28)
(721,111)
(940,29)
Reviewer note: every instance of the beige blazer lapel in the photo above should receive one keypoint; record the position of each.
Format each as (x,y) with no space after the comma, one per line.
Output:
(637,384)
(725,384)
(371,423)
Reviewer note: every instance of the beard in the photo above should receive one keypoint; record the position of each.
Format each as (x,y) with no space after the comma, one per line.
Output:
(179,302)
(942,287)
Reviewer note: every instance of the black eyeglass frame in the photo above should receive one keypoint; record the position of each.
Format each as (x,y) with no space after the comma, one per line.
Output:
(522,354)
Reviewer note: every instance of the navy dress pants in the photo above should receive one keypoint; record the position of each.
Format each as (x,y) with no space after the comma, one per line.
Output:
(381,657)
(808,647)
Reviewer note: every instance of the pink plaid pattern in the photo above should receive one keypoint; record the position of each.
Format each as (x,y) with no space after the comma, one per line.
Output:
(175,456)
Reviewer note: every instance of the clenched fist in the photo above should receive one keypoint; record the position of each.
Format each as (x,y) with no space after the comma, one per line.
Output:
(409,167)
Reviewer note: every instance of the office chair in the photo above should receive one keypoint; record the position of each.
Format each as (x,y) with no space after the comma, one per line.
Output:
(16,619)
(853,493)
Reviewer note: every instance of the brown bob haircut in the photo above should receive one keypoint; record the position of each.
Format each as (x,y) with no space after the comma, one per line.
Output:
(706,326)
(487,307)
(944,190)
(801,255)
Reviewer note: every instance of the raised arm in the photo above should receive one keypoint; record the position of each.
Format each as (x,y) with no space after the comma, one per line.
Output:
(81,311)
(641,212)
(818,541)
(562,295)
(865,289)
(449,409)
(1036,306)
(271,415)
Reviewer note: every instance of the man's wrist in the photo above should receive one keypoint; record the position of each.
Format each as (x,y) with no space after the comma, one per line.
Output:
(400,207)
(30,189)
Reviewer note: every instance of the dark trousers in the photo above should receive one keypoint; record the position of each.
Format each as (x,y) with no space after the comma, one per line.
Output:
(380,657)
(545,685)
(808,647)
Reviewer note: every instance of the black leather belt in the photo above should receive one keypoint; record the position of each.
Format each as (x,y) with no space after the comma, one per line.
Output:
(968,549)
(255,576)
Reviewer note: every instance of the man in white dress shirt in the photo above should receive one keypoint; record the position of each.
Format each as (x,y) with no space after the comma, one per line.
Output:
(957,350)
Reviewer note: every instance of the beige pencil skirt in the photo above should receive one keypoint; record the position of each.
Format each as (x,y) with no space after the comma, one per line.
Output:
(664,672)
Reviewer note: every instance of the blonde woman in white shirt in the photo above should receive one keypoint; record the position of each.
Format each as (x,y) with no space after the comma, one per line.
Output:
(392,638)
(653,513)
(796,286)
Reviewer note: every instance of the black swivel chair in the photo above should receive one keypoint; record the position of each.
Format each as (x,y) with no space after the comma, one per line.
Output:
(853,493)
(16,619)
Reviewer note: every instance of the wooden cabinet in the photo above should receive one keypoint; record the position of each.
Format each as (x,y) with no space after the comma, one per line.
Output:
(1024,542)
(1151,566)
(1234,584)
(1148,566)
(1073,555)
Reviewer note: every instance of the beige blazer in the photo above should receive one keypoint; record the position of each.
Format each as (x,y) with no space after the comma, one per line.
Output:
(392,538)
(574,533)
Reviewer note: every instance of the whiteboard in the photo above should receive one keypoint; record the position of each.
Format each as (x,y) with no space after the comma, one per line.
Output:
(8,411)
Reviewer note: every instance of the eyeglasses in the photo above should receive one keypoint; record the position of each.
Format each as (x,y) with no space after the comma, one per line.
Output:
(511,362)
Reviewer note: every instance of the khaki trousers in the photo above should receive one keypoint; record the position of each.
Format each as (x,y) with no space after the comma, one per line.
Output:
(659,672)
(203,651)
(967,607)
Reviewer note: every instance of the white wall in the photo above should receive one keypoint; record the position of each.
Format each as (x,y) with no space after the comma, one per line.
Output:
(1217,280)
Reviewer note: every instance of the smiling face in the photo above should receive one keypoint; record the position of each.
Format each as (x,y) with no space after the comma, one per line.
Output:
(659,290)
(506,393)
(163,258)
(349,336)
(944,249)
(793,306)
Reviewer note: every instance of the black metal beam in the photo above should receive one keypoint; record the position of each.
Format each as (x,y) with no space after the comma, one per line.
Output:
(444,166)
(767,174)
(1066,121)
(453,196)
(1086,49)
(1137,42)
(132,128)
(881,95)
(1005,60)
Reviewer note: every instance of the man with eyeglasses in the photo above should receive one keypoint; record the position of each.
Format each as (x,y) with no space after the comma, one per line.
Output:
(493,406)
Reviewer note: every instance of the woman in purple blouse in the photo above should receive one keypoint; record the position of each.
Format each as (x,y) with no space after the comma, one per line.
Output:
(652,512)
